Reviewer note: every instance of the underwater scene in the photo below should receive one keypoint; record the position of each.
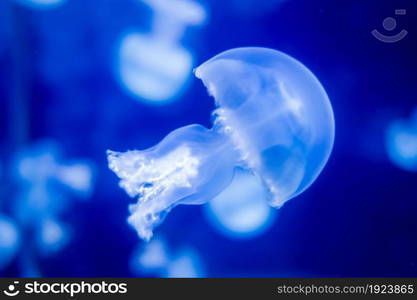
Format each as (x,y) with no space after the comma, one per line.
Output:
(208,138)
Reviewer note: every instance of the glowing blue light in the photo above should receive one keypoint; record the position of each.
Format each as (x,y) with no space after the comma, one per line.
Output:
(9,241)
(401,143)
(154,258)
(241,210)
(155,66)
(273,118)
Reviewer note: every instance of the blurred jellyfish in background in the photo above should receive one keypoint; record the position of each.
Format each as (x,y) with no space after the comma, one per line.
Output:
(154,66)
(401,142)
(155,259)
(273,118)
(41,3)
(241,210)
(45,185)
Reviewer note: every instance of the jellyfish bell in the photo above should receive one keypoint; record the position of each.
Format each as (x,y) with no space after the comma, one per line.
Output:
(77,176)
(276,113)
(273,118)
(151,69)
(154,66)
(51,236)
(38,162)
(186,12)
(401,143)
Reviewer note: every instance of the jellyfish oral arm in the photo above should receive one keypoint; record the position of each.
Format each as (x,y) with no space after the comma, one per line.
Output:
(190,166)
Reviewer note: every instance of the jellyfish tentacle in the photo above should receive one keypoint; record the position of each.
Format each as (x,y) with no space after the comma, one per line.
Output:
(190,166)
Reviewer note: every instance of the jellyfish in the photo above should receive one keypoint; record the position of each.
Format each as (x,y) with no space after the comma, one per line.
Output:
(273,118)
(45,180)
(155,66)
(155,258)
(45,184)
(401,142)
(241,210)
